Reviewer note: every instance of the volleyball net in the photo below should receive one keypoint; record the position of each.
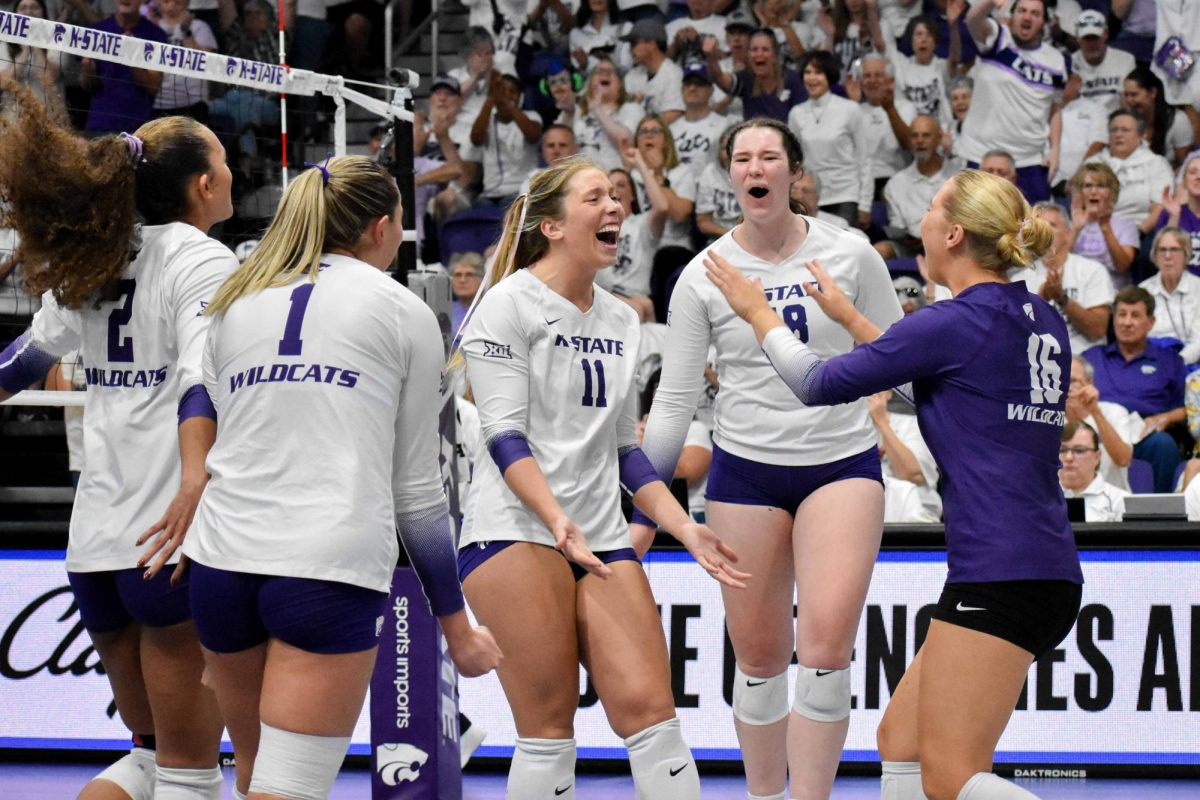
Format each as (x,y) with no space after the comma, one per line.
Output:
(271,119)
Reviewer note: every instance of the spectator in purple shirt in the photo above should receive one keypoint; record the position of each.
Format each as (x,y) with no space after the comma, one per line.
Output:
(766,87)
(122,97)
(1181,208)
(996,374)
(1098,232)
(1143,377)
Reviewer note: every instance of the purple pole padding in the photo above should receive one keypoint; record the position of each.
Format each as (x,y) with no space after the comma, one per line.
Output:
(414,703)
(196,403)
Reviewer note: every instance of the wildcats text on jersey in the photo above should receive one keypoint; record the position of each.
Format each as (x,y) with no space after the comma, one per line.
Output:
(1046,416)
(125,378)
(294,373)
(589,344)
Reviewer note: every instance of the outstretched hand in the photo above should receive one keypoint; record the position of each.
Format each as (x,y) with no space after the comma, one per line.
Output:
(569,540)
(714,556)
(829,296)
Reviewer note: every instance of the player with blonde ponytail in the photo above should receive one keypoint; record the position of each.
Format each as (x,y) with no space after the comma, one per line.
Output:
(988,372)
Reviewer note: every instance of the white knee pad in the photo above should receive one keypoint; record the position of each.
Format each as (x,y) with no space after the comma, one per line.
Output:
(661,763)
(134,772)
(781,796)
(542,768)
(299,765)
(986,786)
(759,701)
(174,783)
(901,781)
(822,695)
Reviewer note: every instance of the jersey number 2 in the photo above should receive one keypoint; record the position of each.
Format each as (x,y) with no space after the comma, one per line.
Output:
(1045,375)
(589,399)
(291,344)
(120,350)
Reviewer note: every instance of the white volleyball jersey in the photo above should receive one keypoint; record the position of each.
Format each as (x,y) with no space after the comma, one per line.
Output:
(757,416)
(327,399)
(564,379)
(141,351)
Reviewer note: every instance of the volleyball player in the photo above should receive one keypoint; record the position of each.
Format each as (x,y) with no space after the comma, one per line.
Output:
(987,370)
(131,298)
(324,373)
(796,491)
(551,361)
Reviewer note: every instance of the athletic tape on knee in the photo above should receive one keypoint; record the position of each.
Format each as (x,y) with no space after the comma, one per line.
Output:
(986,786)
(542,768)
(297,765)
(759,701)
(822,695)
(901,780)
(134,772)
(174,783)
(661,763)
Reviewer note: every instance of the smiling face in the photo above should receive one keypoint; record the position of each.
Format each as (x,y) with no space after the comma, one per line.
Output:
(815,81)
(591,221)
(623,189)
(960,102)
(1135,98)
(760,173)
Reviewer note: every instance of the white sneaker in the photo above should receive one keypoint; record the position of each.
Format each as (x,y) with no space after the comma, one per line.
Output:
(469,741)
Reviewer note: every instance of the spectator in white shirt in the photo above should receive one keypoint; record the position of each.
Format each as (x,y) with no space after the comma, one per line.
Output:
(1078,287)
(597,26)
(1142,172)
(905,456)
(909,192)
(1168,130)
(1084,133)
(1079,475)
(887,118)
(475,74)
(686,33)
(602,115)
(1118,427)
(1019,79)
(654,141)
(923,78)
(655,81)
(832,132)
(1176,292)
(697,131)
(179,94)
(504,133)
(1100,69)
(717,209)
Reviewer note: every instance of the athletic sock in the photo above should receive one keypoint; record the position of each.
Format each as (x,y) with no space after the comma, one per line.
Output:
(987,786)
(901,780)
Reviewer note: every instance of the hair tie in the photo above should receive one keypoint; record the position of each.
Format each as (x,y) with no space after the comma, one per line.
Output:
(323,167)
(136,146)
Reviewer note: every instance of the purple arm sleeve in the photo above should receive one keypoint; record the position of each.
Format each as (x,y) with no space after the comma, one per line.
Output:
(508,448)
(196,403)
(635,469)
(429,543)
(22,363)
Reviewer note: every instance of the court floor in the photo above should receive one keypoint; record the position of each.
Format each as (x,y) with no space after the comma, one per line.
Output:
(63,781)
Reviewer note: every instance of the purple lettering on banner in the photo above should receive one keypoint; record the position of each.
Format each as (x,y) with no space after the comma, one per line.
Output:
(414,706)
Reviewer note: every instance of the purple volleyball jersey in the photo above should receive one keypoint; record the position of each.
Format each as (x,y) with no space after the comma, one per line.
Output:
(989,371)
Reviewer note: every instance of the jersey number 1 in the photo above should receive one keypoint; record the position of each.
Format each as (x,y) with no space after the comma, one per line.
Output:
(291,344)
(598,399)
(1045,375)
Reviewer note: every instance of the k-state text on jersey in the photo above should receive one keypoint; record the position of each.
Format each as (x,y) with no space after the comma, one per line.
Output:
(590,344)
